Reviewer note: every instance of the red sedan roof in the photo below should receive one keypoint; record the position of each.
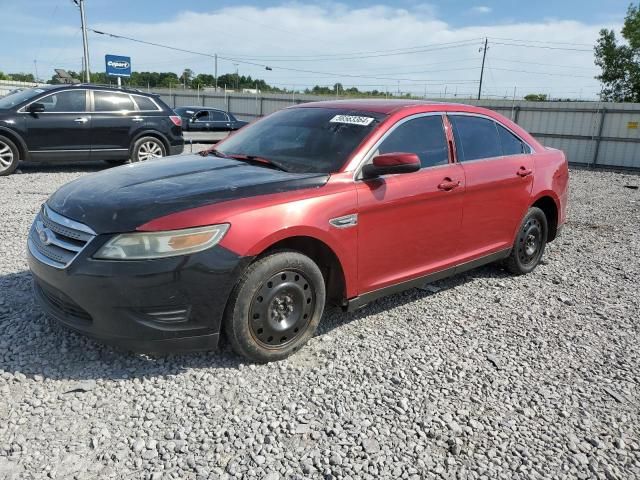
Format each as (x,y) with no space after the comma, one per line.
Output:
(376,105)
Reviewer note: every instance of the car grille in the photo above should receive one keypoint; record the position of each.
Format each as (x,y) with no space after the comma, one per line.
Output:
(56,240)
(61,305)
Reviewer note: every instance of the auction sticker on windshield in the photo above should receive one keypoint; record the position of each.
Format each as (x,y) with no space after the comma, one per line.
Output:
(352,119)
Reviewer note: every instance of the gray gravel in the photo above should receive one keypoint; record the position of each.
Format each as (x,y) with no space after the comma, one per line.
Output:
(481,376)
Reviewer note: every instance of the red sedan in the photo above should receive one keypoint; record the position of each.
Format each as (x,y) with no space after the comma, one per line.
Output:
(342,201)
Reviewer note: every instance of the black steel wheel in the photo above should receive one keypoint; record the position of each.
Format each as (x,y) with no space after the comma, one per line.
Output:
(275,307)
(281,309)
(529,244)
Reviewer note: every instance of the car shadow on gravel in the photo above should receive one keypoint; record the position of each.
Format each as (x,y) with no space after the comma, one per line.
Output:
(34,345)
(336,318)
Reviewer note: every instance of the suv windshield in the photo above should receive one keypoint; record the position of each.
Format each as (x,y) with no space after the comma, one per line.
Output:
(306,139)
(19,97)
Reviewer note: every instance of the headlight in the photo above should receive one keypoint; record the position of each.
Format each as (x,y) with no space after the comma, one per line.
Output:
(146,245)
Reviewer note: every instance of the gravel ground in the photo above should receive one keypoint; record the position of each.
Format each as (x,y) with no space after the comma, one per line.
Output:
(480,376)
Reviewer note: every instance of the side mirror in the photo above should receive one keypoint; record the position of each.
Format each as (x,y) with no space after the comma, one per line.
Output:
(390,163)
(36,108)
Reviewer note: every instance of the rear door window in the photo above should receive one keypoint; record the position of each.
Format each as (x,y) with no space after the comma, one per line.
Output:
(511,145)
(423,136)
(112,102)
(217,116)
(476,138)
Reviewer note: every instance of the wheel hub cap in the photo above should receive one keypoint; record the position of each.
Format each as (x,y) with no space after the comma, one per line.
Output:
(530,241)
(281,309)
(148,151)
(6,156)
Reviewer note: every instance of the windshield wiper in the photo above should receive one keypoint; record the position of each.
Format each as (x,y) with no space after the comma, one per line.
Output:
(254,159)
(213,151)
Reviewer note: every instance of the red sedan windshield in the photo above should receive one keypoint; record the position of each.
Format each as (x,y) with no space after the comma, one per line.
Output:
(306,139)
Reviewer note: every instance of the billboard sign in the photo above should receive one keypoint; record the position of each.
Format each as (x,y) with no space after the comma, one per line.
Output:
(118,66)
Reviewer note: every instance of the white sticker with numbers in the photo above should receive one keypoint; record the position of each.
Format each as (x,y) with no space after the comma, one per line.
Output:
(352,120)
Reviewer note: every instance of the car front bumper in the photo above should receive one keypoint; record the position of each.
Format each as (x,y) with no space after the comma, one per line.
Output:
(154,306)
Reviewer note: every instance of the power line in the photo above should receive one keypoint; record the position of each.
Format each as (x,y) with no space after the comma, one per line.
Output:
(356,56)
(513,60)
(542,73)
(263,65)
(329,55)
(541,41)
(543,46)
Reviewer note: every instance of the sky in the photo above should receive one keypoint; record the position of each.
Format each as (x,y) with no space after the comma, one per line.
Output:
(432,49)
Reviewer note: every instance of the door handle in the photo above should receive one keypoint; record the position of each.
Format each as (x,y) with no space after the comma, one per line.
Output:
(523,172)
(137,119)
(448,184)
(81,120)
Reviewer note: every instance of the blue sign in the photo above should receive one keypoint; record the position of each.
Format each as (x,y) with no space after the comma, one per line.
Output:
(118,66)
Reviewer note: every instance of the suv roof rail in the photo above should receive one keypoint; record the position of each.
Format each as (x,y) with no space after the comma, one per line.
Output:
(114,87)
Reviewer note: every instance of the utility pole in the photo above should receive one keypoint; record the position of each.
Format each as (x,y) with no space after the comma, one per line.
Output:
(215,70)
(85,44)
(484,56)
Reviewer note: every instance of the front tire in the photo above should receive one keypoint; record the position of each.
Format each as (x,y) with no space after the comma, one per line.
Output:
(275,307)
(9,156)
(529,244)
(147,148)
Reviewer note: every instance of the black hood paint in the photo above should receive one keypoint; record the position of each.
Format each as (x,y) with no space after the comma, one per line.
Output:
(123,198)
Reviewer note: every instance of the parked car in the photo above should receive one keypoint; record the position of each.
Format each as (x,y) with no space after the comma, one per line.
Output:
(85,122)
(342,202)
(208,119)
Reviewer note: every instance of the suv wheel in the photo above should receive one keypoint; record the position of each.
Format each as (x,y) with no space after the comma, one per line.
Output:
(9,156)
(275,307)
(529,244)
(147,148)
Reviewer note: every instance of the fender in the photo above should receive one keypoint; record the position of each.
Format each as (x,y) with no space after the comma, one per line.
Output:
(12,134)
(253,232)
(151,133)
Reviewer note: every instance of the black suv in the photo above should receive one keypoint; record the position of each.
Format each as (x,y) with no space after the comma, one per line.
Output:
(85,122)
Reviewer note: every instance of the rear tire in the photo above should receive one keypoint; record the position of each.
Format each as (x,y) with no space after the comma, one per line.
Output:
(275,307)
(9,156)
(529,244)
(147,148)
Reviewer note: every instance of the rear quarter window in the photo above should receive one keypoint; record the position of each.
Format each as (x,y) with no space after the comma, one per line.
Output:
(511,145)
(145,103)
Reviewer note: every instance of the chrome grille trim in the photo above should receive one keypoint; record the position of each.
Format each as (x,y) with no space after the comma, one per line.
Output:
(63,239)
(66,222)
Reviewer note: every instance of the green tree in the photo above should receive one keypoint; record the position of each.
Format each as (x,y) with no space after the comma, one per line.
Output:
(22,77)
(187,76)
(620,63)
(3,76)
(536,97)
(203,80)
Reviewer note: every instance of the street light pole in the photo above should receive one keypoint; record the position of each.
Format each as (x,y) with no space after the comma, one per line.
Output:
(85,44)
